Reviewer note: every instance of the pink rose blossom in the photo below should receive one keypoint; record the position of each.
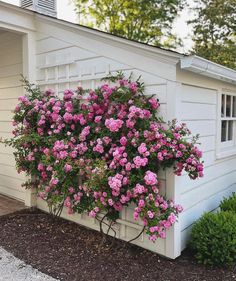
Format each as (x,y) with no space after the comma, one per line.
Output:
(150,178)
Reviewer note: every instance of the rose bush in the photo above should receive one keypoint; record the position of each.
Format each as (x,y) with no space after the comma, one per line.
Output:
(98,151)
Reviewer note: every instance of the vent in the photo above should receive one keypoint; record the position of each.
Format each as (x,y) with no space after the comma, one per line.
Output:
(48,4)
(26,3)
(46,7)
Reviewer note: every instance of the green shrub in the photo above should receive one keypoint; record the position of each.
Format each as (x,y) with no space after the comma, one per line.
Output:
(229,204)
(213,238)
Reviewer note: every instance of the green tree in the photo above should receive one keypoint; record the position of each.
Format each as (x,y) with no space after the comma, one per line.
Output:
(148,21)
(214,29)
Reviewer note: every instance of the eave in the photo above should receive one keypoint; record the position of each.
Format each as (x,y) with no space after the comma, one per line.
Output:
(208,68)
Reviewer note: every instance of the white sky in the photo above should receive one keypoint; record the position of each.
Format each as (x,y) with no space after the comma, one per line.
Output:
(66,11)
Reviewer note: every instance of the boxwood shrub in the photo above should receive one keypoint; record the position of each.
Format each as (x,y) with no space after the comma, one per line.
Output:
(229,204)
(213,238)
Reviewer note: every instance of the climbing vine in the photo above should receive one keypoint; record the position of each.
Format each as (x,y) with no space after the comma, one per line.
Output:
(97,151)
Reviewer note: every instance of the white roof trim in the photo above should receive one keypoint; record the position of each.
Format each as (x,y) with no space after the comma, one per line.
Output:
(207,68)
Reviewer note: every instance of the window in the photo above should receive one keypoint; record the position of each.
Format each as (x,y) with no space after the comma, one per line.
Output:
(228,121)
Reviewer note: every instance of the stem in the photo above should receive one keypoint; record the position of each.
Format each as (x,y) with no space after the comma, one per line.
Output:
(109,227)
(101,222)
(137,236)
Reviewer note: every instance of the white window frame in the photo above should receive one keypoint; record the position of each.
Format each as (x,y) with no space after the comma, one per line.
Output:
(225,148)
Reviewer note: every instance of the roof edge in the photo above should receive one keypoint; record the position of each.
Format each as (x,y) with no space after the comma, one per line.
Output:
(140,45)
(208,68)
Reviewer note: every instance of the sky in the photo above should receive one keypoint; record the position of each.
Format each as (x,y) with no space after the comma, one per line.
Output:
(65,10)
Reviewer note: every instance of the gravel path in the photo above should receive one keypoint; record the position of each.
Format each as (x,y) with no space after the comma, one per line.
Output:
(13,269)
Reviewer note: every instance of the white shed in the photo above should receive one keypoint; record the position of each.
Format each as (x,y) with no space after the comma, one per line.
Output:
(58,54)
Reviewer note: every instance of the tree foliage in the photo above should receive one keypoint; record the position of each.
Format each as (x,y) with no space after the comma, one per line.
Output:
(148,21)
(215,31)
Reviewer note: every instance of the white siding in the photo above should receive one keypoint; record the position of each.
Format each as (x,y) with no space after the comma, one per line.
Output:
(199,111)
(10,90)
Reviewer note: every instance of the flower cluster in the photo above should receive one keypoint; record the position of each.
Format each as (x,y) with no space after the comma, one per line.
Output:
(104,152)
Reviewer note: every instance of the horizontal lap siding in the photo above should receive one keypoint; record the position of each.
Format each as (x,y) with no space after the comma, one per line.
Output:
(199,112)
(10,90)
(60,66)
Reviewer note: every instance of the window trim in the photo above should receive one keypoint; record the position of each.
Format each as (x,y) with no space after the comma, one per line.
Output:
(228,148)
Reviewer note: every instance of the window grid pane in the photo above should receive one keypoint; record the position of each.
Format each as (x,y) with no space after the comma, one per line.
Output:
(228,106)
(223,106)
(223,130)
(230,130)
(234,106)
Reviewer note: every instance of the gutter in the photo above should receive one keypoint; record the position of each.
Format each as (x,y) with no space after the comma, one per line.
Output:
(207,68)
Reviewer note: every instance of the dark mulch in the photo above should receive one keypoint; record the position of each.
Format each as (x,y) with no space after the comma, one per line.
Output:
(71,252)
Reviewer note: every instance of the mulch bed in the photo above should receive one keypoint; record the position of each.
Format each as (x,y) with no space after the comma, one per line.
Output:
(71,252)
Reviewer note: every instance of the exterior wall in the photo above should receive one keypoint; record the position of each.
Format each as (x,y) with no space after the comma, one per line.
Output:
(199,108)
(66,60)
(10,89)
(68,56)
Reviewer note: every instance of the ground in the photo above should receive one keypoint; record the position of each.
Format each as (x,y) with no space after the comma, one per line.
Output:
(8,205)
(14,269)
(67,251)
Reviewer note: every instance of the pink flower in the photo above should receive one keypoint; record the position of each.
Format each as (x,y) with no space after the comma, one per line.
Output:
(98,148)
(154,103)
(130,124)
(136,216)
(92,214)
(110,202)
(67,168)
(73,154)
(113,124)
(46,151)
(150,214)
(128,166)
(167,224)
(71,190)
(141,203)
(152,238)
(17,108)
(68,117)
(150,178)
(30,157)
(178,154)
(172,218)
(97,119)
(142,148)
(115,182)
(63,154)
(40,167)
(68,94)
(123,141)
(133,87)
(85,132)
(164,205)
(139,189)
(179,208)
(162,234)
(138,161)
(54,181)
(47,188)
(42,195)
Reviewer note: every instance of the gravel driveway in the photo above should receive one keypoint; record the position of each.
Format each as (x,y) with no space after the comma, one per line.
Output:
(13,269)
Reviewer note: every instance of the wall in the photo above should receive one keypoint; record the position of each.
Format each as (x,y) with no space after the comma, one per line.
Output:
(200,110)
(67,59)
(10,90)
